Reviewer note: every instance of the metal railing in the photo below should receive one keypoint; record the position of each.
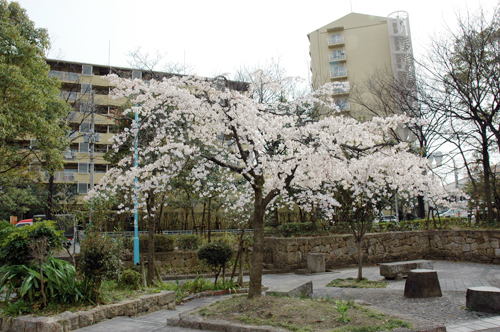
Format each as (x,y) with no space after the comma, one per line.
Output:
(335,40)
(337,57)
(338,71)
(178,232)
(64,75)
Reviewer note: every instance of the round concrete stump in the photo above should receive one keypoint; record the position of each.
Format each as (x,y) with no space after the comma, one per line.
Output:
(422,283)
(484,299)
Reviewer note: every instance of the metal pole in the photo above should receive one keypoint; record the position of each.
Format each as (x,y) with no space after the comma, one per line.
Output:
(92,147)
(136,214)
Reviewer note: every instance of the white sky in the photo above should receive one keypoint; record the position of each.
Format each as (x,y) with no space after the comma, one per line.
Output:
(218,36)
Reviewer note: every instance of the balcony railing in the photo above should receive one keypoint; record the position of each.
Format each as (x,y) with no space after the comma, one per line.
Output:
(337,57)
(338,72)
(343,104)
(65,76)
(336,40)
(69,95)
(62,176)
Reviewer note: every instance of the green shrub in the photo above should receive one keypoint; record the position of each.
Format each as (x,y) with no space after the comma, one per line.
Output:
(59,278)
(188,241)
(164,242)
(216,255)
(5,229)
(295,229)
(100,259)
(130,279)
(15,248)
(226,237)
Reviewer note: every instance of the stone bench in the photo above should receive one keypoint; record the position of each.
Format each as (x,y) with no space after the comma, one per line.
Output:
(483,299)
(422,283)
(402,269)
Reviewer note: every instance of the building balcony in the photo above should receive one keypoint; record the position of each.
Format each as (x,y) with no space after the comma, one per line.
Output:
(65,76)
(337,57)
(343,104)
(338,72)
(62,177)
(336,41)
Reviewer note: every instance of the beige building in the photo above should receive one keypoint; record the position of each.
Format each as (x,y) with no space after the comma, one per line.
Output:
(94,117)
(356,47)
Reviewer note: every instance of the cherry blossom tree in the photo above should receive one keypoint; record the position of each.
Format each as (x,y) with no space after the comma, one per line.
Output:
(273,146)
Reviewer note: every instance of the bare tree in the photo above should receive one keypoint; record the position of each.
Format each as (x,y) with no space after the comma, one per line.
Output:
(462,69)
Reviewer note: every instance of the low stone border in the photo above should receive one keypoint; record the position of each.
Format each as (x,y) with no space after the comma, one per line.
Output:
(69,321)
(302,290)
(188,320)
(221,292)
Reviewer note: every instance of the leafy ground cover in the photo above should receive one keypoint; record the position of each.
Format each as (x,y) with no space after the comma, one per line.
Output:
(301,315)
(355,283)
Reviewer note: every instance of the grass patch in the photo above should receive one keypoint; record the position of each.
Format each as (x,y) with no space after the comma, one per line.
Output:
(297,315)
(355,283)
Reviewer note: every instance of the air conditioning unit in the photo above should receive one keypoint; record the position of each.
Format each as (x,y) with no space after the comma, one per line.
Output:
(85,139)
(97,138)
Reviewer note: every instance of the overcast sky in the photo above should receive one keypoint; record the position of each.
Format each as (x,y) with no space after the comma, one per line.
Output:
(218,36)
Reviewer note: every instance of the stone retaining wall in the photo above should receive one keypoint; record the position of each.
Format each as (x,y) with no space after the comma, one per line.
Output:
(341,250)
(69,321)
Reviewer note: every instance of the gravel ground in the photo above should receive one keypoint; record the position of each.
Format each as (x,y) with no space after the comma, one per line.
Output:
(446,310)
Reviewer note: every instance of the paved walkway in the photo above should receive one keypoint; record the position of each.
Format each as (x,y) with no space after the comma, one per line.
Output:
(452,276)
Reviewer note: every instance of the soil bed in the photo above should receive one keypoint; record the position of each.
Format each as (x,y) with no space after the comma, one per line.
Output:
(298,315)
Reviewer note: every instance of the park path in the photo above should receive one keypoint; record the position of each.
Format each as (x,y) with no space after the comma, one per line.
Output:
(452,277)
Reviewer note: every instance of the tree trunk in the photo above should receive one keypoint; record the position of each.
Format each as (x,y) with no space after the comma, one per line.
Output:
(360,259)
(255,288)
(313,218)
(50,198)
(209,228)
(420,207)
(486,175)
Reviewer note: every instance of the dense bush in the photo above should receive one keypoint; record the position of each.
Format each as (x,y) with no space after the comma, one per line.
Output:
(295,229)
(226,237)
(59,278)
(163,243)
(15,248)
(5,229)
(100,259)
(130,279)
(188,241)
(216,255)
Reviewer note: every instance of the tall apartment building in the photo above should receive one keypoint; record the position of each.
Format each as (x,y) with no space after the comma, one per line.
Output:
(87,92)
(355,47)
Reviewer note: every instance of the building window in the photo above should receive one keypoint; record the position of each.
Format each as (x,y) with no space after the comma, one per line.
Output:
(337,55)
(85,127)
(343,104)
(335,39)
(87,70)
(137,74)
(86,88)
(83,188)
(83,168)
(83,147)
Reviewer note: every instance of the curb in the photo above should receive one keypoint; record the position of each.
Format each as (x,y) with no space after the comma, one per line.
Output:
(69,321)
(188,320)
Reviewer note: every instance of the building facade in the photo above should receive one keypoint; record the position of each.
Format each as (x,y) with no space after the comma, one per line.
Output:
(357,47)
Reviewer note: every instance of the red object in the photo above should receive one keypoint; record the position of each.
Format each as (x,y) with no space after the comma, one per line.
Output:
(25,222)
